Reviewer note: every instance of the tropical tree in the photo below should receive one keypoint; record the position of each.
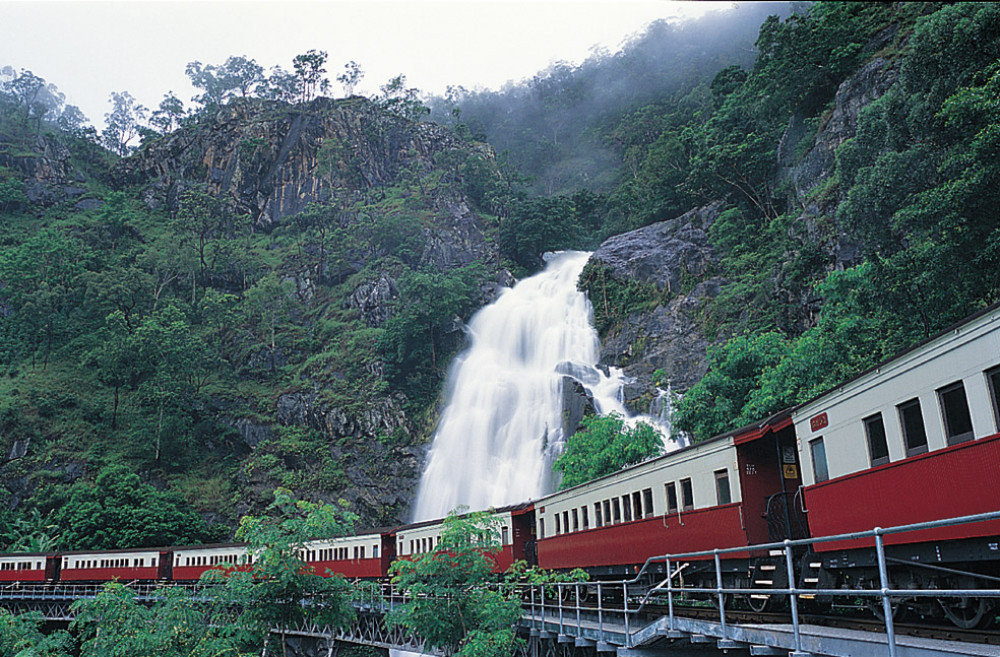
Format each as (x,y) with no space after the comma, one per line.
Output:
(604,445)
(281,590)
(453,603)
(124,123)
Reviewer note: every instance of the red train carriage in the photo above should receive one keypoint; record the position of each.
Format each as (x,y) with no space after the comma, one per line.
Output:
(191,562)
(364,556)
(28,567)
(730,491)
(111,565)
(916,439)
(516,536)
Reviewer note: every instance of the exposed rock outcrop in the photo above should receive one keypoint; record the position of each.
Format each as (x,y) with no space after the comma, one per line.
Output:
(49,176)
(674,256)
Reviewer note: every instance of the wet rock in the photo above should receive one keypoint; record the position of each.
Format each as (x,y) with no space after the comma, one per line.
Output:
(576,403)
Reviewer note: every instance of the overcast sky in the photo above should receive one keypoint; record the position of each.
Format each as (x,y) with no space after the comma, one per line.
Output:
(89,49)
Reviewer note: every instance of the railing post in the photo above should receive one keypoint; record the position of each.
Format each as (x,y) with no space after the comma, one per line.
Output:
(543,606)
(600,611)
(670,595)
(794,597)
(628,634)
(721,595)
(883,573)
(533,619)
(559,602)
(577,590)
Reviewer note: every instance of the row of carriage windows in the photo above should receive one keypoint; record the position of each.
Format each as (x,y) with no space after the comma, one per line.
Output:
(340,554)
(215,559)
(954,413)
(635,506)
(420,545)
(21,565)
(125,562)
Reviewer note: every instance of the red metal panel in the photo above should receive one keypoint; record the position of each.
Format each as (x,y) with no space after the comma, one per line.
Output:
(956,481)
(22,575)
(195,572)
(107,574)
(350,568)
(502,560)
(634,542)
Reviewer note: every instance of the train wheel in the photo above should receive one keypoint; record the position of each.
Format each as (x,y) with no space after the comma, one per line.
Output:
(899,609)
(967,613)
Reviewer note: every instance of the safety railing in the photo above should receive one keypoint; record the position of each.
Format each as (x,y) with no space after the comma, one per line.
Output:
(615,610)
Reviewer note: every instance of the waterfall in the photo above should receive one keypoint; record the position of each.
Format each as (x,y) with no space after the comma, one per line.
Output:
(502,425)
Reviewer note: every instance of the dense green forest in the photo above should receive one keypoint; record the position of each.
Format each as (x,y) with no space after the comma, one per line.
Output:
(182,329)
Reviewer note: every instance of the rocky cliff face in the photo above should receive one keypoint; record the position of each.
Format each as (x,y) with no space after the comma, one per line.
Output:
(675,257)
(270,160)
(44,165)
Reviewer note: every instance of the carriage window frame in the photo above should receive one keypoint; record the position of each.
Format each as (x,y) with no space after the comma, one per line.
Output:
(723,489)
(955,413)
(871,437)
(687,495)
(993,384)
(817,454)
(647,503)
(911,418)
(598,516)
(670,490)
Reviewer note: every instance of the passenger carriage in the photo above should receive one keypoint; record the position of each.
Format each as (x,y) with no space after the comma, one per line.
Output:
(190,563)
(516,536)
(111,565)
(28,567)
(363,556)
(730,491)
(915,439)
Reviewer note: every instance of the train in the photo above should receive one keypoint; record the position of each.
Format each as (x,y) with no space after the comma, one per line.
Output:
(913,439)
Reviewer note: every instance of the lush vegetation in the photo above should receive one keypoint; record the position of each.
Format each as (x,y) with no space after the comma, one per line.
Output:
(142,337)
(453,606)
(603,446)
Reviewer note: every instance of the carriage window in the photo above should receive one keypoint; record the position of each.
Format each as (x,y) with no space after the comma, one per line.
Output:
(671,498)
(558,529)
(617,509)
(818,452)
(637,504)
(647,503)
(687,494)
(504,536)
(566,521)
(878,448)
(598,518)
(541,528)
(955,409)
(993,379)
(607,512)
(627,507)
(722,491)
(576,520)
(913,427)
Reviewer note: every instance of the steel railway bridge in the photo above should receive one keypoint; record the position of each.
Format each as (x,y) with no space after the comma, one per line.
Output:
(622,619)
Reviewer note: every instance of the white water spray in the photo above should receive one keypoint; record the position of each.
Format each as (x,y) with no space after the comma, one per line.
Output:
(502,426)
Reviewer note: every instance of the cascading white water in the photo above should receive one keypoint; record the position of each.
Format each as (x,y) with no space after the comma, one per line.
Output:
(502,426)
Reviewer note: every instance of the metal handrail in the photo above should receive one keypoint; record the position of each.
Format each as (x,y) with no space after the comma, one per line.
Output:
(885,591)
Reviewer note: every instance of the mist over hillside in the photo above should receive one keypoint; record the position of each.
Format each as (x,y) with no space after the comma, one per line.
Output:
(553,127)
